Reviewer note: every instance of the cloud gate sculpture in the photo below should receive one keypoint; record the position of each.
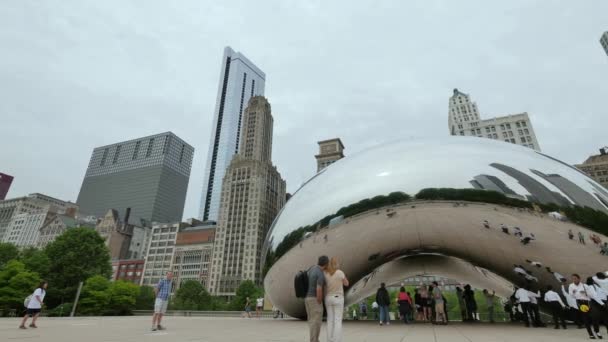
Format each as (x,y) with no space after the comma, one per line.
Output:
(445,207)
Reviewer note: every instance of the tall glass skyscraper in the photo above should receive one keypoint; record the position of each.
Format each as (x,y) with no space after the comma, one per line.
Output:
(239,80)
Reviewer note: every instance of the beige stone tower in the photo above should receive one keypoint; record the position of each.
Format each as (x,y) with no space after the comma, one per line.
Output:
(253,193)
(330,151)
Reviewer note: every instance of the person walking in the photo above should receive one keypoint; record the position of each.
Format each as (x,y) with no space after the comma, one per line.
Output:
(523,297)
(259,306)
(363,310)
(572,309)
(461,304)
(162,291)
(439,304)
(535,310)
(490,304)
(578,291)
(335,281)
(570,234)
(34,305)
(471,304)
(314,297)
(597,301)
(383,300)
(557,307)
(405,304)
(581,238)
(247,307)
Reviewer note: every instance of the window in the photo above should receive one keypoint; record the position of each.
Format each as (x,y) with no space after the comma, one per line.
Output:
(526,131)
(502,127)
(523,139)
(116,154)
(104,157)
(136,150)
(517,124)
(523,123)
(508,126)
(520,132)
(181,154)
(513,141)
(493,128)
(510,134)
(504,134)
(167,144)
(150,145)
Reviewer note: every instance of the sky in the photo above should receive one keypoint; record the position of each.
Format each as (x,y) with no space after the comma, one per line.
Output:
(77,74)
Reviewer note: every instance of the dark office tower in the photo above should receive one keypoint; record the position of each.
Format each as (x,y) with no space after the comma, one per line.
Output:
(5,184)
(149,175)
(578,195)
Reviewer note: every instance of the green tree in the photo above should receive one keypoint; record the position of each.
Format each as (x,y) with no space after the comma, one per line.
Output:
(122,298)
(35,260)
(75,256)
(192,296)
(8,252)
(95,296)
(246,289)
(145,298)
(16,283)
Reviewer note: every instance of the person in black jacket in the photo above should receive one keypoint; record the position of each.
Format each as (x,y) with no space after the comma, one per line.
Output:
(469,299)
(383,300)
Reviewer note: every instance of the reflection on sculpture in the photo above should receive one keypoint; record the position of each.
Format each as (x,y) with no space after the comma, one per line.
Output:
(387,216)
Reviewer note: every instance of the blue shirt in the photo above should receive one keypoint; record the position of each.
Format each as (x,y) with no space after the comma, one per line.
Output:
(164,289)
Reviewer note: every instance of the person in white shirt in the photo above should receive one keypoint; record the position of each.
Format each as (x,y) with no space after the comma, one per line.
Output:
(534,310)
(600,279)
(523,297)
(597,302)
(572,310)
(259,306)
(335,280)
(557,307)
(34,305)
(578,291)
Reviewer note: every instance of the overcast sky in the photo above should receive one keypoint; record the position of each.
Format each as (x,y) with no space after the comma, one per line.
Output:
(79,74)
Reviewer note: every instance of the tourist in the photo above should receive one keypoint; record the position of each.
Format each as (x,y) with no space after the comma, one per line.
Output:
(375,310)
(490,304)
(578,291)
(405,304)
(461,304)
(314,297)
(597,302)
(34,305)
(162,291)
(486,224)
(445,309)
(517,232)
(247,312)
(534,309)
(581,238)
(335,280)
(557,307)
(471,304)
(439,304)
(259,306)
(418,305)
(523,297)
(363,310)
(412,309)
(570,234)
(572,309)
(426,302)
(504,228)
(600,279)
(383,300)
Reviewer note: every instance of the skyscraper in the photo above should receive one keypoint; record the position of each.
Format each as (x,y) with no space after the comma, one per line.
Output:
(604,41)
(149,175)
(5,184)
(330,151)
(239,80)
(464,119)
(596,166)
(253,193)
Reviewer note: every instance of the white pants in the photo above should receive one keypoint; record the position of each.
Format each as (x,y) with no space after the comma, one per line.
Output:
(335,309)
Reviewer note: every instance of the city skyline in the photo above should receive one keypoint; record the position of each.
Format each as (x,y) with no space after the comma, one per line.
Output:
(133,82)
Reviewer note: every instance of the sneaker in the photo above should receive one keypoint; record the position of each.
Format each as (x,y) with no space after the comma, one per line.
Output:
(160,327)
(592,337)
(33,326)
(22,327)
(380,323)
(153,329)
(599,336)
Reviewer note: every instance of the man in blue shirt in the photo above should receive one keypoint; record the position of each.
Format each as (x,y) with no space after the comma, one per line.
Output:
(162,291)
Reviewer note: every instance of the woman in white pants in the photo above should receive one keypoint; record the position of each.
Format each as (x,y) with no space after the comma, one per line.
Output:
(335,280)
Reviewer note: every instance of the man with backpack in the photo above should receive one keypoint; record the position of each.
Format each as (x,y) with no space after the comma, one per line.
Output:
(314,297)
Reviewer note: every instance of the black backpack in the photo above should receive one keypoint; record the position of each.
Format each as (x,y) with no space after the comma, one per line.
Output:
(300,284)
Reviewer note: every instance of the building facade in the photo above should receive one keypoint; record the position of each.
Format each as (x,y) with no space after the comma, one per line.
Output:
(149,175)
(5,184)
(465,120)
(192,257)
(604,41)
(253,193)
(330,151)
(239,80)
(159,256)
(55,225)
(22,218)
(130,270)
(596,167)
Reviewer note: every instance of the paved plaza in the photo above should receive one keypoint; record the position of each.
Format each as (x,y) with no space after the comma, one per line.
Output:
(199,329)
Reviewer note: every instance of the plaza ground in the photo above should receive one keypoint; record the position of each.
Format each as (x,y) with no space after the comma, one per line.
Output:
(207,329)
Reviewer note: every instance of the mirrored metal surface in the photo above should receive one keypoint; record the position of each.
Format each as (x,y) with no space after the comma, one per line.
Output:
(371,238)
